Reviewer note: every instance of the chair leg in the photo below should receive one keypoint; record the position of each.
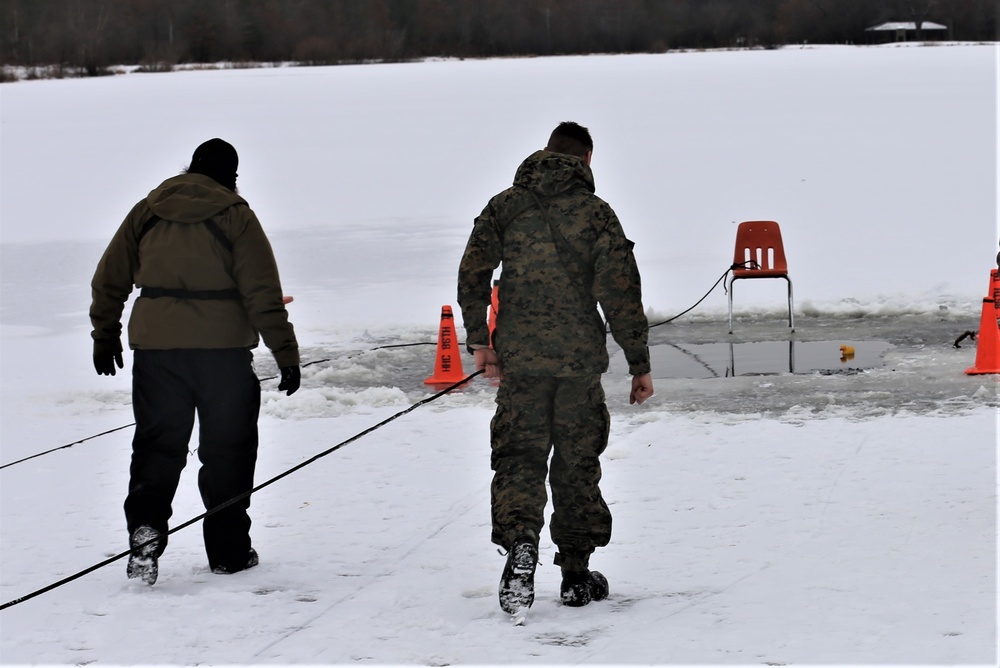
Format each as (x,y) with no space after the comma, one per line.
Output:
(791,305)
(730,292)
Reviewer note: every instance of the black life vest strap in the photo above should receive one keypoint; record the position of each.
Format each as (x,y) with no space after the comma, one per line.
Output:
(180,293)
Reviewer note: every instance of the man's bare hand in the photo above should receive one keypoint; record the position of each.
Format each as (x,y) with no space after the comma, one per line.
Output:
(487,361)
(642,388)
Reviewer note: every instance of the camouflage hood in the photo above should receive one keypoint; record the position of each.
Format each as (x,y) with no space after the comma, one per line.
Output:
(547,173)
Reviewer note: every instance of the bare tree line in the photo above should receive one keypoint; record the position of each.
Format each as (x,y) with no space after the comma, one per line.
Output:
(92,35)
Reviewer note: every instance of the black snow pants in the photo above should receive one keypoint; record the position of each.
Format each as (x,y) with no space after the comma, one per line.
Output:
(168,388)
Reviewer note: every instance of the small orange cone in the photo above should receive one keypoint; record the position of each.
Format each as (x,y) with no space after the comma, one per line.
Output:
(988,341)
(448,366)
(494,309)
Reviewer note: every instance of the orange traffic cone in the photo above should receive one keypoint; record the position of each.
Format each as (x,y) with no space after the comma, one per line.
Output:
(988,341)
(491,318)
(448,366)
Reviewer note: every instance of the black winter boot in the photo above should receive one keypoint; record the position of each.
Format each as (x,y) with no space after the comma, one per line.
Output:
(145,544)
(252,560)
(517,584)
(581,587)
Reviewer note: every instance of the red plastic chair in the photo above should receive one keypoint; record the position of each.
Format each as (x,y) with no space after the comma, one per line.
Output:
(759,254)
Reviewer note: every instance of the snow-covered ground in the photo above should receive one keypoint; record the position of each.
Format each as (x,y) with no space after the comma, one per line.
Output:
(847,515)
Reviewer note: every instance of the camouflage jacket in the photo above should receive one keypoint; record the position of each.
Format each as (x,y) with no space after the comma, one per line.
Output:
(557,266)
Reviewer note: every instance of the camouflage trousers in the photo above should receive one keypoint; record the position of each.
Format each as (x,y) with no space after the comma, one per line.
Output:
(567,417)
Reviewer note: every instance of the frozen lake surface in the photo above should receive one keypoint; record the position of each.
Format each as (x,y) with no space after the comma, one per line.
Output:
(829,516)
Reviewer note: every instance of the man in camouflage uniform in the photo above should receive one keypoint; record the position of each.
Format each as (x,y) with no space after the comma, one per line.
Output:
(563,253)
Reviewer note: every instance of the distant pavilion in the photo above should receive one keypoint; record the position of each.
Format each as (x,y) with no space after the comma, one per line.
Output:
(904,31)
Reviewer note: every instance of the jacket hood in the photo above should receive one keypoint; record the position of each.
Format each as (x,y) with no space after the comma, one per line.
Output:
(190,198)
(547,173)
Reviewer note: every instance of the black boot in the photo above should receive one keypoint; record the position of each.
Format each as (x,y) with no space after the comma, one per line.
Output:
(145,546)
(517,584)
(581,587)
(252,560)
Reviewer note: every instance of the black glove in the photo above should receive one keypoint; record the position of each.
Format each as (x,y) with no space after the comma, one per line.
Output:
(291,378)
(106,355)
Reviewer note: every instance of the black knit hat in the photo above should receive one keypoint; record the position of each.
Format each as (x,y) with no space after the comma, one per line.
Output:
(216,159)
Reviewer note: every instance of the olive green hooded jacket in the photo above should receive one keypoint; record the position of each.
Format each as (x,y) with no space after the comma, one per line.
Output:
(183,252)
(563,252)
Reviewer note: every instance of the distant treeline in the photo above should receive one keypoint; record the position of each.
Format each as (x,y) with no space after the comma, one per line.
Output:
(91,35)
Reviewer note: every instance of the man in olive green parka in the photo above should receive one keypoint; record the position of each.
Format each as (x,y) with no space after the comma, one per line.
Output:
(209,291)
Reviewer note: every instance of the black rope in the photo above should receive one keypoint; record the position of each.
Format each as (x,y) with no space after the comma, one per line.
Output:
(68,445)
(721,278)
(233,500)
(386,347)
(965,335)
